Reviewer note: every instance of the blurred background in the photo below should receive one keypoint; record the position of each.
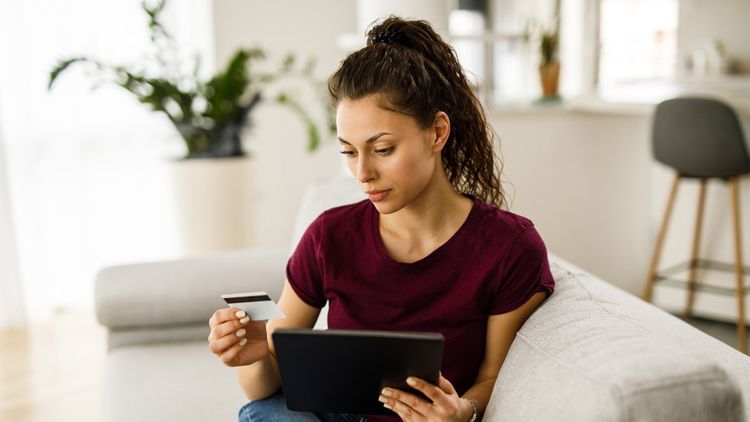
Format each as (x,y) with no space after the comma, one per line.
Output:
(92,177)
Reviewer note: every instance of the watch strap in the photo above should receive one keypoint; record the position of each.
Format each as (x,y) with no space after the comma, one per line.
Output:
(474,410)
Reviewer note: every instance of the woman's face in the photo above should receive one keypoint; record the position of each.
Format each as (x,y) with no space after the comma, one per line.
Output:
(387,152)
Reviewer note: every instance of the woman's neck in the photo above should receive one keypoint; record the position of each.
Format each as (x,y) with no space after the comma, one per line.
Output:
(437,212)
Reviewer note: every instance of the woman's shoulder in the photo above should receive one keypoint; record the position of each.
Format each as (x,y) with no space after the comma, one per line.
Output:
(492,218)
(505,230)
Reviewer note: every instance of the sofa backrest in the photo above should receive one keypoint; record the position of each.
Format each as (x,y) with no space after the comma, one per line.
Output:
(320,196)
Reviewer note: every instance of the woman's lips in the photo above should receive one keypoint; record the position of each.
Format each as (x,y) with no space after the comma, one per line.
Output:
(378,195)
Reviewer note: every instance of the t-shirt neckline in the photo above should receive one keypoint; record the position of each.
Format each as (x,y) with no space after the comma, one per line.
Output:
(383,253)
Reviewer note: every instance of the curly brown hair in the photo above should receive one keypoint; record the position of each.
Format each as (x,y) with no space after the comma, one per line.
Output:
(418,74)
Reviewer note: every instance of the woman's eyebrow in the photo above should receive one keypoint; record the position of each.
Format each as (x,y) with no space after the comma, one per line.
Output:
(369,141)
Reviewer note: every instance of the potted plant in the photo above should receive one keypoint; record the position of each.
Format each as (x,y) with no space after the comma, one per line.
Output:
(208,114)
(549,68)
(212,184)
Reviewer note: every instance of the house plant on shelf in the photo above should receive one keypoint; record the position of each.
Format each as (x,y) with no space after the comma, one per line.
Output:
(549,67)
(212,183)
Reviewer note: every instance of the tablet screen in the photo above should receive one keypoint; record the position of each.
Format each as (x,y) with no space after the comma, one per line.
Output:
(343,371)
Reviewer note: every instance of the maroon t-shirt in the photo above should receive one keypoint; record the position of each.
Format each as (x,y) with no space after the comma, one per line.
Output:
(493,264)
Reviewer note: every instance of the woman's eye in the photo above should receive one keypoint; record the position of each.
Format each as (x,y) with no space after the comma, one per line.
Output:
(384,151)
(347,153)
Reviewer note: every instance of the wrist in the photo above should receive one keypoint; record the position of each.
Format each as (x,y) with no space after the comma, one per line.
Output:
(472,410)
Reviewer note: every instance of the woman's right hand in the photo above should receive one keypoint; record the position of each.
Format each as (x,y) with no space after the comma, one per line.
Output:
(235,339)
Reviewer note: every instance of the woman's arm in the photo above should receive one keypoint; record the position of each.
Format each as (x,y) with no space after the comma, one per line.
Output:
(446,405)
(501,330)
(261,379)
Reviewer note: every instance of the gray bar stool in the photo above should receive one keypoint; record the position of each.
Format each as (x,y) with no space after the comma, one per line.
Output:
(701,138)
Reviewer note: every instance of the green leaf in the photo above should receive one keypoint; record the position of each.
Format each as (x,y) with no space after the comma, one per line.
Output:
(288,62)
(313,134)
(60,68)
(224,91)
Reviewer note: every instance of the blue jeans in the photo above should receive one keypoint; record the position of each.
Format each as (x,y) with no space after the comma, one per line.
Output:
(273,409)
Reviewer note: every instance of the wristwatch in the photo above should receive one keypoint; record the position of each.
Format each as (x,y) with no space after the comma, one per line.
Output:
(474,410)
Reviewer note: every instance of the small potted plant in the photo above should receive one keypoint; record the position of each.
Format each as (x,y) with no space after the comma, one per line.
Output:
(212,185)
(549,67)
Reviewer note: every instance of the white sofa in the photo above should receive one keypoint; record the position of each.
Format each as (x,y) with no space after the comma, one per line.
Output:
(591,352)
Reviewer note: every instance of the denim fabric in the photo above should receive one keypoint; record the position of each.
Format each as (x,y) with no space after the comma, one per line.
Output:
(273,409)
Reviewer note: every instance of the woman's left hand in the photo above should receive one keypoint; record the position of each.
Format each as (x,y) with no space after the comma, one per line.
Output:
(445,406)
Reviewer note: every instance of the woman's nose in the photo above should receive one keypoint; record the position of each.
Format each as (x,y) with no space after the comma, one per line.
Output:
(365,172)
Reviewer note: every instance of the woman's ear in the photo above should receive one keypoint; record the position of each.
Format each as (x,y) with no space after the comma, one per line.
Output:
(441,128)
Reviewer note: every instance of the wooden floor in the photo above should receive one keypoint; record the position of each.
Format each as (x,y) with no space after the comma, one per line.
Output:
(52,371)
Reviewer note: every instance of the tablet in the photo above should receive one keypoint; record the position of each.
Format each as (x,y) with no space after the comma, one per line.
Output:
(343,371)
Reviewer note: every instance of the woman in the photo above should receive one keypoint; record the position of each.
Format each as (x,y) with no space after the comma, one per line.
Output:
(429,250)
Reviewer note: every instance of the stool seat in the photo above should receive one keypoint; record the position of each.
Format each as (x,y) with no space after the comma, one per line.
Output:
(701,138)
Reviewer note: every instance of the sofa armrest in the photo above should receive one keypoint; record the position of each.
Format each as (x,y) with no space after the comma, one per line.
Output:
(183,291)
(593,352)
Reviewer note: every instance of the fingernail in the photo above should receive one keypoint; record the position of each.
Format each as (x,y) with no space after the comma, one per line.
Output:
(387,406)
(245,320)
(241,332)
(243,342)
(411,381)
(386,392)
(240,314)
(382,399)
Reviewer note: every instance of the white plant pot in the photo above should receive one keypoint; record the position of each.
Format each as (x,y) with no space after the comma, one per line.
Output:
(213,200)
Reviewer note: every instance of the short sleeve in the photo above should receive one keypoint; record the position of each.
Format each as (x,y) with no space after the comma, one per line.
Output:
(524,272)
(304,268)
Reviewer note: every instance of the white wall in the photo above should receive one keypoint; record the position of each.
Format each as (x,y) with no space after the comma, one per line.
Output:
(725,20)
(583,179)
(592,188)
(277,139)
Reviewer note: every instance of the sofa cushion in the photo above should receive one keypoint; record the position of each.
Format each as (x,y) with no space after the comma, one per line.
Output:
(322,195)
(184,291)
(169,382)
(593,352)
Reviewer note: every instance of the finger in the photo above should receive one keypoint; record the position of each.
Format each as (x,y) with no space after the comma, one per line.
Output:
(405,404)
(446,385)
(405,412)
(229,355)
(232,326)
(221,345)
(223,330)
(430,390)
(226,314)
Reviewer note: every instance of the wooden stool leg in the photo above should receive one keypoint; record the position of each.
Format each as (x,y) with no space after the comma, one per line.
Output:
(692,282)
(738,265)
(649,285)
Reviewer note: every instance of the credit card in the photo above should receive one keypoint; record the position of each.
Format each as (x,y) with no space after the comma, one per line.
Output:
(258,305)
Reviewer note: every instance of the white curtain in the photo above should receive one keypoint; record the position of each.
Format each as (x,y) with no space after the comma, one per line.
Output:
(87,169)
(11,298)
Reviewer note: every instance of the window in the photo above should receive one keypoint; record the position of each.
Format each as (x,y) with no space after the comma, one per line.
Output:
(638,40)
(86,169)
(603,44)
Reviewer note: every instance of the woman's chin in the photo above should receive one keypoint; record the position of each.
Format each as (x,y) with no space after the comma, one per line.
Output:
(387,206)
